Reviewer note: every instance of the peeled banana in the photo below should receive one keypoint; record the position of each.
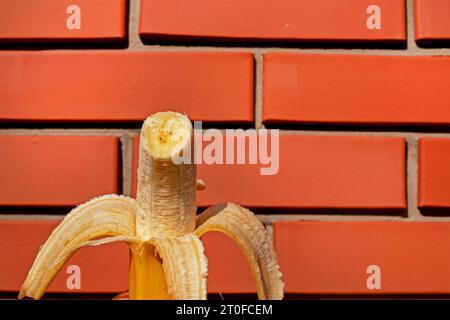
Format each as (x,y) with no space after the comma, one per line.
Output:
(160,226)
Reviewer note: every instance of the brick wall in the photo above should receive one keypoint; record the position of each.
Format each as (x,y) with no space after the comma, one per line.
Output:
(361,203)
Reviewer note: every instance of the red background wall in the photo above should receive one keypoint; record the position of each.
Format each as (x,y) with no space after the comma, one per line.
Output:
(364,116)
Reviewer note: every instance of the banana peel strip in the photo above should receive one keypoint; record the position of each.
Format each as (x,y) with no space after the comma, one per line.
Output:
(185,266)
(242,226)
(107,216)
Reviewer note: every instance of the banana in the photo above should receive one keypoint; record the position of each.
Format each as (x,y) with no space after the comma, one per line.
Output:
(167,257)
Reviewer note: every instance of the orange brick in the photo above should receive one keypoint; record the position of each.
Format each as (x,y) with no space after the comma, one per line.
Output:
(315,172)
(356,89)
(333,257)
(287,20)
(57,170)
(47,20)
(432,21)
(223,276)
(125,86)
(434,175)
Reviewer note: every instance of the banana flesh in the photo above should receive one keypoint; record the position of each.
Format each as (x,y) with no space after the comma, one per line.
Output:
(166,194)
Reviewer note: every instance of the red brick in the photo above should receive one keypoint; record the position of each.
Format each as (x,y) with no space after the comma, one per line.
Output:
(125,86)
(287,20)
(315,172)
(57,170)
(46,20)
(432,20)
(356,89)
(103,269)
(333,257)
(434,174)
(223,276)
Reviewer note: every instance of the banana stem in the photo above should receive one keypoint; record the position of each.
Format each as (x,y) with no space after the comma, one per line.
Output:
(146,276)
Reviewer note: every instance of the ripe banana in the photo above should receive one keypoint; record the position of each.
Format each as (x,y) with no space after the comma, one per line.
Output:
(160,226)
